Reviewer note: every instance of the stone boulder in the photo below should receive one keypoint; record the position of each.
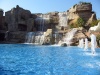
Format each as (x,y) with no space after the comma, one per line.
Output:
(48,36)
(64,45)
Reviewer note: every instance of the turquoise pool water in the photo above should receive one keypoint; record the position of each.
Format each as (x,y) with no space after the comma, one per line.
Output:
(23,59)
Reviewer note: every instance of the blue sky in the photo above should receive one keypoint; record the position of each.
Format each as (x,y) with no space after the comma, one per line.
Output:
(44,6)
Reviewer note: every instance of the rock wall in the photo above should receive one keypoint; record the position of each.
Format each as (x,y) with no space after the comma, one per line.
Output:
(2,20)
(83,10)
(19,19)
(16,37)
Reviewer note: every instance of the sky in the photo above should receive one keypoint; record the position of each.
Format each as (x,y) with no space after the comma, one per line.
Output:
(45,6)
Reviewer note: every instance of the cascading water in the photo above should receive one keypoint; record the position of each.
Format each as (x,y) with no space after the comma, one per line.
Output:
(41,23)
(63,23)
(69,36)
(29,37)
(93,43)
(86,44)
(63,19)
(38,37)
(34,38)
(42,39)
(41,20)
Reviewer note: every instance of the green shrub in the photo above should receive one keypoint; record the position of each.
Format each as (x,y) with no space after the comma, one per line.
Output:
(98,37)
(94,23)
(80,22)
(71,26)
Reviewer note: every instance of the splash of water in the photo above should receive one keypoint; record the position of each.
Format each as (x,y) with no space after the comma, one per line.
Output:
(81,43)
(93,43)
(86,44)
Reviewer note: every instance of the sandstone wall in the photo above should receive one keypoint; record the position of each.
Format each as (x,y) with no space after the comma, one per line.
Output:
(82,10)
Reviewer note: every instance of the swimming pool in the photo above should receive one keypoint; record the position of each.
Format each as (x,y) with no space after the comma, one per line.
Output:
(23,59)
